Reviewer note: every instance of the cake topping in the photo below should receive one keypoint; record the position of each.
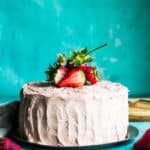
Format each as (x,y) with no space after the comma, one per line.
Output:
(74,71)
(60,74)
(91,73)
(74,78)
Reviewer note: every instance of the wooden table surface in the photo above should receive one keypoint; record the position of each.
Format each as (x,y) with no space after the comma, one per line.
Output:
(139,109)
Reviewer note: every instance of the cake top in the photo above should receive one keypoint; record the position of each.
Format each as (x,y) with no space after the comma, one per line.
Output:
(103,88)
(74,71)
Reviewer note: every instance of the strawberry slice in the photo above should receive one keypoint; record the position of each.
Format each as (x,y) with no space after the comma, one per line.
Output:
(60,74)
(143,142)
(8,144)
(74,78)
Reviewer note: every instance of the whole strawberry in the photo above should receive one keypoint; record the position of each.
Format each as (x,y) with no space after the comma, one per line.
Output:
(8,144)
(144,142)
(91,73)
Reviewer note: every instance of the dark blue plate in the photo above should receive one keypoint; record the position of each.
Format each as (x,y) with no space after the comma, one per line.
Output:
(132,133)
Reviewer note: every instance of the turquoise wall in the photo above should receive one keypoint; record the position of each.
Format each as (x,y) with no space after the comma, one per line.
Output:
(32,32)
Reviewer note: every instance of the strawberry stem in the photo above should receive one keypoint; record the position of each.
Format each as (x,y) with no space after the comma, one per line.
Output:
(97,48)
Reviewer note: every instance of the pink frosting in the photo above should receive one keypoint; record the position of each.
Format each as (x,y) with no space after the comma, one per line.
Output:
(88,115)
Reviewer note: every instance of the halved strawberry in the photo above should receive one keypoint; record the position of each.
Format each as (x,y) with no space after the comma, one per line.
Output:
(8,144)
(91,78)
(90,73)
(60,74)
(74,78)
(86,69)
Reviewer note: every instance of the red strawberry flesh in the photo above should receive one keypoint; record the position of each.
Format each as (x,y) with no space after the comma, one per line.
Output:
(74,78)
(86,69)
(91,78)
(89,73)
(60,74)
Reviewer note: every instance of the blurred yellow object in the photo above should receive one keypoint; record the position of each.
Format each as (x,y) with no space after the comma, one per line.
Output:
(139,109)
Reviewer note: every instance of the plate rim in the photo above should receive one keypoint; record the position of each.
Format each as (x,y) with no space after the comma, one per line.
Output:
(128,139)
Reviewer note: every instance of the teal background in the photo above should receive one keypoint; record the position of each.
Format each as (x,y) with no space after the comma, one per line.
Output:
(32,32)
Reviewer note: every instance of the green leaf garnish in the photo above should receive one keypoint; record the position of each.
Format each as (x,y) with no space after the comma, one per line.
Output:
(50,73)
(82,56)
(61,60)
(79,57)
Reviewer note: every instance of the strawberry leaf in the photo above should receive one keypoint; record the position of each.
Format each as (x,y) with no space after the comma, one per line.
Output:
(50,73)
(79,57)
(61,60)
